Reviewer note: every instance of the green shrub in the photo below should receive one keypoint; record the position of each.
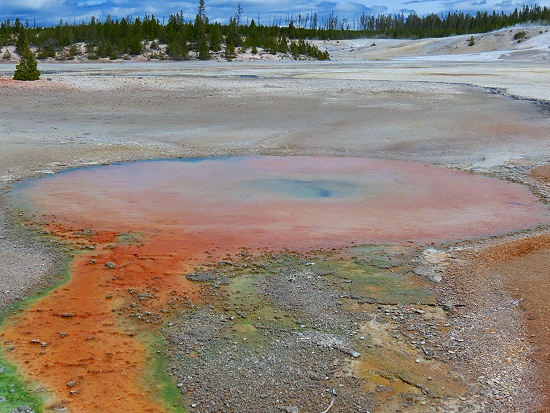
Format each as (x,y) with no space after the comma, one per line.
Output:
(520,35)
(27,68)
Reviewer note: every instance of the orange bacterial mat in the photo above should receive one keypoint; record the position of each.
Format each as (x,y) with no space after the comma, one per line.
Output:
(141,226)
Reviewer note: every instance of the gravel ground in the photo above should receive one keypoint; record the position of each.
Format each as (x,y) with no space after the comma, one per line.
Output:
(105,113)
(26,263)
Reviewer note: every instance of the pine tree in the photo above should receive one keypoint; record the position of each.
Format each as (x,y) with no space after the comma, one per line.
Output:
(27,68)
(204,51)
(202,12)
(134,46)
(20,43)
(177,50)
(215,38)
(229,53)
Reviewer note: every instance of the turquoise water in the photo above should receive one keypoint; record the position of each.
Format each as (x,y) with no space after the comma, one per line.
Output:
(303,189)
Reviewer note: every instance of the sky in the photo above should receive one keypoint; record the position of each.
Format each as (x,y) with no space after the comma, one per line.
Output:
(49,12)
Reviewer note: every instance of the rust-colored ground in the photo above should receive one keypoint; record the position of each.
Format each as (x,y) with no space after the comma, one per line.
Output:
(524,268)
(92,359)
(156,221)
(542,174)
(8,82)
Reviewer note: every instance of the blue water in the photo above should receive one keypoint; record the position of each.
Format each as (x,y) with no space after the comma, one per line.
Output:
(306,189)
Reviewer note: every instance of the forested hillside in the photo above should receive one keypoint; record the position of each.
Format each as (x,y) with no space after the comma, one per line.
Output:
(179,38)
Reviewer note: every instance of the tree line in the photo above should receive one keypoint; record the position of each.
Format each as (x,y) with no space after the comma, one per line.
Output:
(433,25)
(200,38)
(182,39)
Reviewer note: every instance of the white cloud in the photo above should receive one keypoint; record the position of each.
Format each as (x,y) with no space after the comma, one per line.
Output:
(50,11)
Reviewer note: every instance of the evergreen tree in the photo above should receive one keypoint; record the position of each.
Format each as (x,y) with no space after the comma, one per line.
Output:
(229,53)
(177,50)
(20,43)
(113,37)
(215,38)
(272,45)
(27,68)
(252,37)
(202,12)
(47,50)
(134,46)
(204,51)
(74,51)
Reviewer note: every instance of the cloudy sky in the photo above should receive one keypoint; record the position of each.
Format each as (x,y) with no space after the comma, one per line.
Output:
(49,12)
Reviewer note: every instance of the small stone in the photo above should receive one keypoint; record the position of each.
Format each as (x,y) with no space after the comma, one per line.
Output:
(71,383)
(22,409)
(67,315)
(110,265)
(289,409)
(92,262)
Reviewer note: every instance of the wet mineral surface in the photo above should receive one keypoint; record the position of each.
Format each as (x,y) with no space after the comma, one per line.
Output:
(247,283)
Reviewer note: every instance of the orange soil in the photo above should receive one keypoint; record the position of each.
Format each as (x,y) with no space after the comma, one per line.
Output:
(542,173)
(88,336)
(177,216)
(524,268)
(8,82)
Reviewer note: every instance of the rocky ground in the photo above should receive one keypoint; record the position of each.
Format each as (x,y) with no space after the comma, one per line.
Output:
(476,343)
(467,347)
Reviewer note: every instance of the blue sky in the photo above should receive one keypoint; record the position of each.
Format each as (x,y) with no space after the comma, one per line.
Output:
(49,12)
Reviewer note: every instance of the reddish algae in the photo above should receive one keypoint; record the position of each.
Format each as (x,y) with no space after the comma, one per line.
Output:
(152,222)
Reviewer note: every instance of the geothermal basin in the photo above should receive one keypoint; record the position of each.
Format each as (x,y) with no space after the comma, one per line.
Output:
(139,228)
